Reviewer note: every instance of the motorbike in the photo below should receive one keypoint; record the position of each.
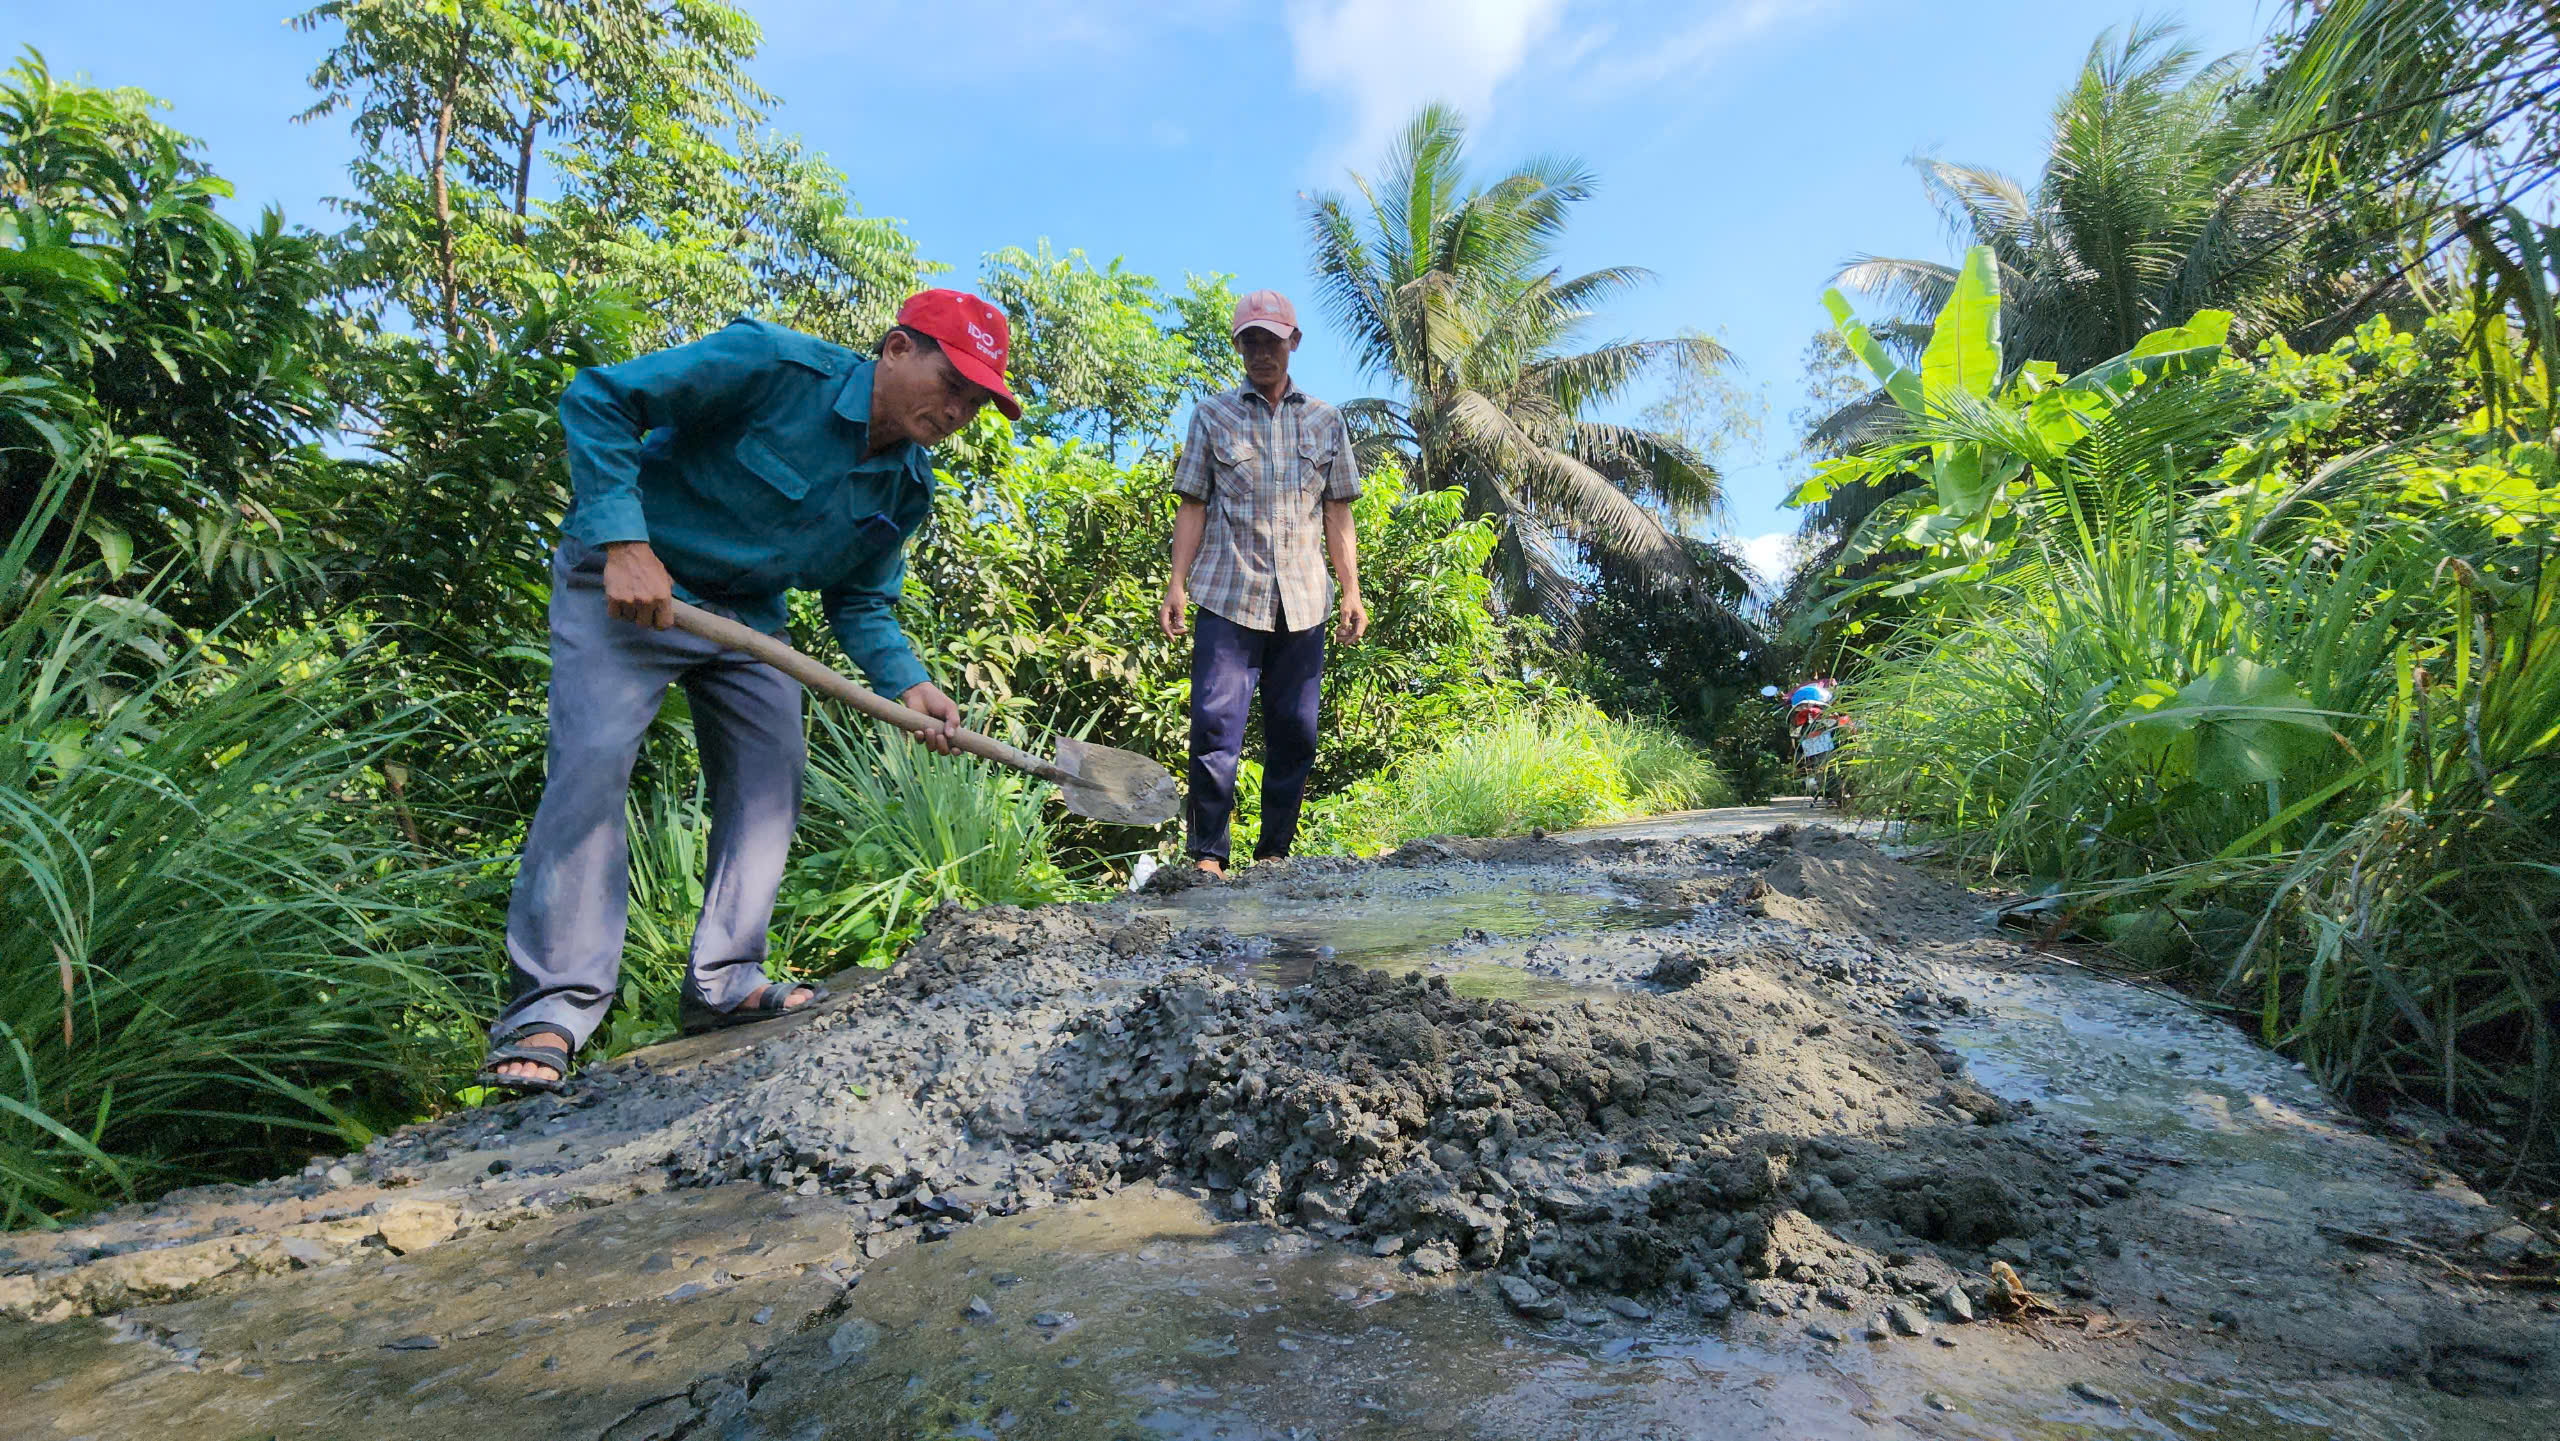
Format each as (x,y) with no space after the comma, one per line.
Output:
(1817,731)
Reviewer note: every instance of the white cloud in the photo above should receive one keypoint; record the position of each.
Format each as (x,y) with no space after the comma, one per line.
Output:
(1094,38)
(1380,60)
(1384,59)
(1690,50)
(1770,557)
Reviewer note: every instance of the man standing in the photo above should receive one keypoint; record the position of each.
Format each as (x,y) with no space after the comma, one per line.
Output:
(751,462)
(1266,469)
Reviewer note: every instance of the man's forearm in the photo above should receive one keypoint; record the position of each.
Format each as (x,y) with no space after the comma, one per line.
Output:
(1342,545)
(1188,524)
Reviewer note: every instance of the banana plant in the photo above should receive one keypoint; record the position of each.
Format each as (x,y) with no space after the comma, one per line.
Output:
(1960,364)
(1981,442)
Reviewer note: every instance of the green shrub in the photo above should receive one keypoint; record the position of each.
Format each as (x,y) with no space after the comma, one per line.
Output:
(891,830)
(1513,776)
(2262,702)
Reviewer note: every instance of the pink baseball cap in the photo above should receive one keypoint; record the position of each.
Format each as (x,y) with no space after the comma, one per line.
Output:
(1266,310)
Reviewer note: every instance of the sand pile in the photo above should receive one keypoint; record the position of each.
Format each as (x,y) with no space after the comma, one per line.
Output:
(1736,1104)
(1826,881)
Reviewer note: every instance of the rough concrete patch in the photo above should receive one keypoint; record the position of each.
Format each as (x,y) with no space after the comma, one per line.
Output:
(408,1226)
(1536,849)
(595,1313)
(1626,1143)
(162,1273)
(652,1248)
(1174,880)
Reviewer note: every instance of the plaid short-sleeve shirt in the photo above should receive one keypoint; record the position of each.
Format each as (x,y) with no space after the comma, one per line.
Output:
(1265,473)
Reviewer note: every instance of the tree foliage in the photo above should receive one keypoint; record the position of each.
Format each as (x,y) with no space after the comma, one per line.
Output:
(513,144)
(2154,202)
(1101,352)
(2442,103)
(166,358)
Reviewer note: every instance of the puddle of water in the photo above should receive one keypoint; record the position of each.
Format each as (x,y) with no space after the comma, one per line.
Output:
(1140,1316)
(2133,1065)
(1400,930)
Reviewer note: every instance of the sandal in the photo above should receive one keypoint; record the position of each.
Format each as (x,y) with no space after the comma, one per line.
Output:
(513,1048)
(773,1002)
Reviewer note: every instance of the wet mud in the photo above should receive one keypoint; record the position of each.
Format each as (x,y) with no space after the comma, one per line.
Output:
(1600,1137)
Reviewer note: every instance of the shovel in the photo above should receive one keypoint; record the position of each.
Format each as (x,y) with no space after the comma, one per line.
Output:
(1118,786)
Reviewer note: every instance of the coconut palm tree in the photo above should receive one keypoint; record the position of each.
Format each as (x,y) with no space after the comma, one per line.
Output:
(1450,290)
(2156,201)
(2425,130)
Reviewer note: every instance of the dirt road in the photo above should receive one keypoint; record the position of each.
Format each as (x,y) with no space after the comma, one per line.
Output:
(1679,1128)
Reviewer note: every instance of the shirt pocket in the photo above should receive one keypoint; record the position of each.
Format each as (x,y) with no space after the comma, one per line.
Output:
(1237,457)
(1315,464)
(877,532)
(766,464)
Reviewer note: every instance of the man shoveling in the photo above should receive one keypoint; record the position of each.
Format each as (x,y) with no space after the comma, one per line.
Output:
(1267,479)
(726,472)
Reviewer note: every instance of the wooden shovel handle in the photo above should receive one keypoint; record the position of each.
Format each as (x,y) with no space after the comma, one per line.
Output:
(721,631)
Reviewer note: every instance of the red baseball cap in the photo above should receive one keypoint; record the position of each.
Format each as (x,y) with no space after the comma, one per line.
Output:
(973,334)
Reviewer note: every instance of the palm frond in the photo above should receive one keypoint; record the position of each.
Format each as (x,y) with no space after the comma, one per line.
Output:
(1595,377)
(1981,206)
(1872,419)
(1349,282)
(1654,467)
(1909,287)
(1559,489)
(1450,287)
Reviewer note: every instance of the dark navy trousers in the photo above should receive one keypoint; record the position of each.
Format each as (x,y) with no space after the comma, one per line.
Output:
(1228,662)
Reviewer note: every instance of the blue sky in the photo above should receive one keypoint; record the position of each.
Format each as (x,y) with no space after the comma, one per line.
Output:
(1744,147)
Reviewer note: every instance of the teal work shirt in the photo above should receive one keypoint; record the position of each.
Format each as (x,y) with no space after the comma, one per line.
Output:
(740,459)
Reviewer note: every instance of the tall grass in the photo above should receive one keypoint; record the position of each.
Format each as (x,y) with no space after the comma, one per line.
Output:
(2027,724)
(1522,772)
(2319,775)
(2416,946)
(215,949)
(670,832)
(1661,769)
(891,830)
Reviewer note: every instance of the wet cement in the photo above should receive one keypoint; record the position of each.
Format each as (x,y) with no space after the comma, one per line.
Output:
(1202,1177)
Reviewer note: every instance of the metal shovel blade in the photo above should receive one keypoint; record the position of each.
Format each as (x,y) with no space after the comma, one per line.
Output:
(1118,786)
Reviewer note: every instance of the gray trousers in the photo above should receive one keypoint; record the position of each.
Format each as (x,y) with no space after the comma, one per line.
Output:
(572,898)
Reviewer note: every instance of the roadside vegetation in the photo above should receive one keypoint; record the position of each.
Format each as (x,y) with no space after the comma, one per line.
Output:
(2236,643)
(2182,542)
(1529,771)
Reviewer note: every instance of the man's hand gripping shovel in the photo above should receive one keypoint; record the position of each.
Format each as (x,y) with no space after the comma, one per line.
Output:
(1118,786)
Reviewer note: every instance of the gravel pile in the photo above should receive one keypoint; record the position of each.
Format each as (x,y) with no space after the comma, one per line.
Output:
(1628,1143)
(1742,1110)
